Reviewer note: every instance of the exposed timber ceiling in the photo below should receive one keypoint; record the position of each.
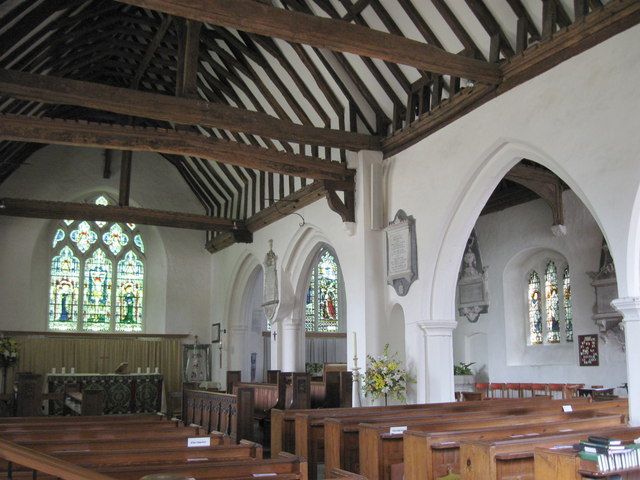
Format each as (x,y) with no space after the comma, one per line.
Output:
(256,102)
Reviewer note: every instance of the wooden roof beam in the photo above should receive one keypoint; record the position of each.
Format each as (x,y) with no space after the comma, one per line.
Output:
(41,130)
(320,32)
(17,207)
(183,111)
(285,206)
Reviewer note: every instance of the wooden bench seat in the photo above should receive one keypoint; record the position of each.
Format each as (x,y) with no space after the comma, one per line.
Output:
(283,421)
(161,456)
(90,426)
(285,467)
(55,435)
(220,412)
(309,426)
(379,449)
(552,464)
(58,420)
(89,445)
(430,455)
(340,433)
(514,458)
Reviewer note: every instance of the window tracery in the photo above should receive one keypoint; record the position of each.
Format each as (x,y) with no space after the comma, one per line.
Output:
(96,276)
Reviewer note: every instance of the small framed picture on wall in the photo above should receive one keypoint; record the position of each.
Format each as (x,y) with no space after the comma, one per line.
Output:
(215,333)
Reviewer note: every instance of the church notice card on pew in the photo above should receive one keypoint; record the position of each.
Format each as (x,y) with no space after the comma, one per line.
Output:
(198,442)
(397,430)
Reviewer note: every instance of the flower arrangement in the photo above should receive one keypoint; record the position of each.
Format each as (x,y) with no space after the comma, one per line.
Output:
(9,351)
(383,377)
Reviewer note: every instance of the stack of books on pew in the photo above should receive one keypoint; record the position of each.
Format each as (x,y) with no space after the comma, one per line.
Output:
(609,454)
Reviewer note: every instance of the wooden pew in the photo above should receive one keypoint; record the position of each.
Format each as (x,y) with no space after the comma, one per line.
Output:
(311,434)
(211,439)
(283,421)
(513,458)
(379,448)
(221,412)
(58,420)
(285,467)
(87,426)
(337,473)
(60,434)
(283,436)
(551,464)
(430,455)
(155,455)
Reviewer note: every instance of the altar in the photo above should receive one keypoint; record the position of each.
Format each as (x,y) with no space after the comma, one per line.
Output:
(124,393)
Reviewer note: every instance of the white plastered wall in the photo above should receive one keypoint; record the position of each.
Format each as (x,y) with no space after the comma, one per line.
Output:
(177,276)
(571,120)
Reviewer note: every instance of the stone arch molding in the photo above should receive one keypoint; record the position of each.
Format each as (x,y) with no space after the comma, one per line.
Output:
(243,277)
(629,284)
(292,280)
(493,164)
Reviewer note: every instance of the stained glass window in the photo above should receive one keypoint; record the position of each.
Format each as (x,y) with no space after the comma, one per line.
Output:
(97,292)
(549,305)
(64,290)
(129,295)
(58,237)
(568,314)
(552,305)
(84,237)
(97,276)
(323,307)
(535,311)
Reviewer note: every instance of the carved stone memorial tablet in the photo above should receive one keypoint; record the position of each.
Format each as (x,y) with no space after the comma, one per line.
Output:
(402,266)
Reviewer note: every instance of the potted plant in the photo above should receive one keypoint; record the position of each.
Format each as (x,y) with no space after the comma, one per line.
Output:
(383,377)
(463,376)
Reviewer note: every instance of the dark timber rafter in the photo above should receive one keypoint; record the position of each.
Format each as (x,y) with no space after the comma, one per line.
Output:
(578,37)
(82,211)
(31,129)
(252,17)
(186,111)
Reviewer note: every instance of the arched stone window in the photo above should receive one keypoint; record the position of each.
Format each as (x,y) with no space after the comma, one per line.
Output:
(96,276)
(551,305)
(323,311)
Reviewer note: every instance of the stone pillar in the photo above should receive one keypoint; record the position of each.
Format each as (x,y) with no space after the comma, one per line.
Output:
(291,346)
(629,307)
(437,355)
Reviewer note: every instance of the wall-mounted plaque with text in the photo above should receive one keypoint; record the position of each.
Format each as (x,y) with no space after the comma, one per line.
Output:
(402,265)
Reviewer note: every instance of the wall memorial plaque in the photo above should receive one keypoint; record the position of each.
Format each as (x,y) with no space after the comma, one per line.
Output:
(588,350)
(402,265)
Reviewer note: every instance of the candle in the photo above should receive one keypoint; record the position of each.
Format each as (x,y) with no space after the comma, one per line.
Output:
(64,370)
(148,369)
(73,370)
(139,370)
(355,345)
(157,370)
(53,370)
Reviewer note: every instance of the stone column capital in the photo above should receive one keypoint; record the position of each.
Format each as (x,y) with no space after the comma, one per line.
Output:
(434,328)
(629,307)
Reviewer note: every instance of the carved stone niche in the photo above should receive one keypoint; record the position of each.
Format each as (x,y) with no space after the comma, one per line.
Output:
(606,317)
(473,292)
